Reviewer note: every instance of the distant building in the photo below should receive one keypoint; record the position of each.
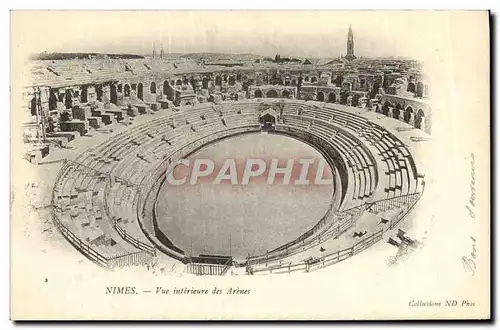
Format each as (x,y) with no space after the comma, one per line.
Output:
(350,46)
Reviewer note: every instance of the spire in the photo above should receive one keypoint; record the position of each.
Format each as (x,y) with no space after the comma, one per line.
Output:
(162,52)
(350,45)
(154,50)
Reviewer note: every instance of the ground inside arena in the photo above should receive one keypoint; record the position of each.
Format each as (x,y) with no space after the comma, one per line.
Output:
(239,220)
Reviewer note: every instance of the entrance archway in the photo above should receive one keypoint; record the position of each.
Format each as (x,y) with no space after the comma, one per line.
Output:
(152,88)
(178,82)
(313,80)
(218,81)
(321,96)
(285,93)
(272,93)
(331,98)
(258,93)
(267,120)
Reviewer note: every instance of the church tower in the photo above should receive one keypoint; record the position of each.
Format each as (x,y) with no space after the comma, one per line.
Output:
(350,45)
(154,51)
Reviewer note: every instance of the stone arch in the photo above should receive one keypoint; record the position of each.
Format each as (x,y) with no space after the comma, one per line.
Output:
(218,81)
(397,111)
(355,100)
(126,90)
(272,93)
(178,82)
(33,105)
(420,89)
(204,83)
(168,91)
(285,93)
(411,88)
(407,114)
(140,91)
(332,98)
(385,108)
(419,118)
(68,98)
(258,93)
(314,79)
(343,98)
(152,88)
(320,96)
(113,95)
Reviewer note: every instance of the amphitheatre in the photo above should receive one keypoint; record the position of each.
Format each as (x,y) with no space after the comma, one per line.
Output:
(108,130)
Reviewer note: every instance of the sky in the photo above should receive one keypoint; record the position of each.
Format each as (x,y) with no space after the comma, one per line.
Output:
(289,33)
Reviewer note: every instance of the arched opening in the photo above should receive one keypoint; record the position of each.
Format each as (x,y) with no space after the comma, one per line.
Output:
(343,98)
(420,89)
(267,121)
(33,106)
(152,88)
(272,93)
(113,94)
(225,77)
(411,88)
(285,94)
(407,114)
(140,92)
(419,118)
(126,90)
(178,82)
(258,93)
(385,108)
(204,83)
(83,96)
(306,79)
(168,90)
(52,100)
(355,100)
(235,97)
(320,97)
(332,98)
(338,80)
(232,81)
(68,99)
(374,90)
(396,111)
(120,88)
(314,79)
(218,81)
(294,82)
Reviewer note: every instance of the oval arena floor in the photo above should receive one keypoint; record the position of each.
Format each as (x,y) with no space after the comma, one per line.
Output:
(238,220)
